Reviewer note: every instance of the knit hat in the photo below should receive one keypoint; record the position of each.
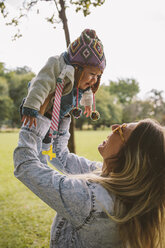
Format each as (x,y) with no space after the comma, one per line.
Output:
(87,50)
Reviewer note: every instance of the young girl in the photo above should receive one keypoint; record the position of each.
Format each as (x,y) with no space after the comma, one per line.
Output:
(67,79)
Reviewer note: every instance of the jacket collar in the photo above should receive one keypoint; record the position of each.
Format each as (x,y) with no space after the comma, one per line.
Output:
(67,70)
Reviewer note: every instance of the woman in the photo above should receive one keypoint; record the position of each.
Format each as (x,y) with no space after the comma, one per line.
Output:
(121,204)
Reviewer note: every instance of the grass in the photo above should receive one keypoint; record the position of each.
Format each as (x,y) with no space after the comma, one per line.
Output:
(25,220)
(87,143)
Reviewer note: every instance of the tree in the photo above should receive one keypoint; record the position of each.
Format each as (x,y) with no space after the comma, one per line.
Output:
(158,104)
(157,99)
(124,89)
(2,69)
(137,110)
(79,123)
(23,70)
(59,7)
(13,88)
(3,86)
(18,88)
(6,103)
(152,107)
(6,109)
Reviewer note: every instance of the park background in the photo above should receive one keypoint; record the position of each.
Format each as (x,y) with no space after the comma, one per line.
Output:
(132,88)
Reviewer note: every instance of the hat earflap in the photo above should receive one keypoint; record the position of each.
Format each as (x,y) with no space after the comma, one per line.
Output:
(95,87)
(79,71)
(77,112)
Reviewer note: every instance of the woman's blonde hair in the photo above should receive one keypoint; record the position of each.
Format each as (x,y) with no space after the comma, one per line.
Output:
(138,182)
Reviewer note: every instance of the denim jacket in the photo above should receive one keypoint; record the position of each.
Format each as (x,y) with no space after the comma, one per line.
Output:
(81,220)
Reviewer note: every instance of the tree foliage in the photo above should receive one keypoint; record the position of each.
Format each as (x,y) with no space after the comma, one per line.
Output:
(13,88)
(54,17)
(84,5)
(106,105)
(158,105)
(137,110)
(6,110)
(4,89)
(124,89)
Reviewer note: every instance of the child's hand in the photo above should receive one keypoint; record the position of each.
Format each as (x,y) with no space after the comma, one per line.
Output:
(88,111)
(28,118)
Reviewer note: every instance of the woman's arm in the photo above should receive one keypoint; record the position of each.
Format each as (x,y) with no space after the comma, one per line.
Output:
(65,161)
(70,197)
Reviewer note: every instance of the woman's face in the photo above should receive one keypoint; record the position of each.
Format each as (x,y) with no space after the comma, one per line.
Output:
(89,77)
(115,140)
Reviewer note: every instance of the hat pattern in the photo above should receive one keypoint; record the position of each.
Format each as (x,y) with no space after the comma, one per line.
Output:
(75,46)
(87,50)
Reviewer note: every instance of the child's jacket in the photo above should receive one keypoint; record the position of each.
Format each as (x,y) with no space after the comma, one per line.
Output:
(45,83)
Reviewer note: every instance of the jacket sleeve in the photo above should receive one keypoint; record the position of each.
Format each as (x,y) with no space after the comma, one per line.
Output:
(42,85)
(70,197)
(65,161)
(87,98)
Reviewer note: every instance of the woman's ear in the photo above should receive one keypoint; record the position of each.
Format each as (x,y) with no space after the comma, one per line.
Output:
(106,169)
(109,165)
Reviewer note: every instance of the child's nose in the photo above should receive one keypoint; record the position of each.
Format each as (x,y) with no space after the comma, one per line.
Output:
(93,80)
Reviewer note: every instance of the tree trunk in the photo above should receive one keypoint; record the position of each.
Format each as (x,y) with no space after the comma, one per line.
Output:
(62,15)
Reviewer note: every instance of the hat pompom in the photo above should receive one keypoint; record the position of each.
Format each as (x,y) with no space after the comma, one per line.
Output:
(76,112)
(95,115)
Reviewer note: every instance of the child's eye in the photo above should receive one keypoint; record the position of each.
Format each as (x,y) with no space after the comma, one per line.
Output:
(95,75)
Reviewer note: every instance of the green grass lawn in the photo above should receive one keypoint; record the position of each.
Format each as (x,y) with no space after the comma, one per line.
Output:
(25,220)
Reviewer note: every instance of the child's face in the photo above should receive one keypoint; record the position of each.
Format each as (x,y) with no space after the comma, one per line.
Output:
(89,77)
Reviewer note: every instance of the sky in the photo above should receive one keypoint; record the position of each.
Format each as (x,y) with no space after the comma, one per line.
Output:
(132,32)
